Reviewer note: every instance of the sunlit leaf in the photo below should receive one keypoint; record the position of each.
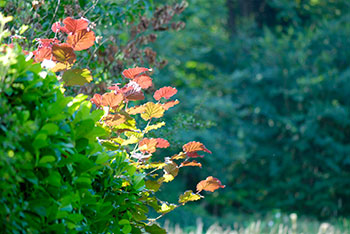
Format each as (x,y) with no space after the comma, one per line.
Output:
(63,53)
(111,99)
(132,73)
(97,99)
(73,25)
(162,143)
(81,40)
(192,147)
(154,127)
(148,145)
(209,184)
(178,156)
(152,110)
(114,120)
(135,110)
(189,196)
(42,53)
(170,104)
(77,77)
(192,164)
(171,170)
(165,207)
(144,81)
(165,92)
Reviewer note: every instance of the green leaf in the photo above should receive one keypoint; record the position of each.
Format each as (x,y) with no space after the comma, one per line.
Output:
(77,77)
(50,128)
(47,159)
(155,229)
(188,196)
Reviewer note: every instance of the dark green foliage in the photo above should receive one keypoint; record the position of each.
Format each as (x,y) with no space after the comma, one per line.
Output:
(280,99)
(55,177)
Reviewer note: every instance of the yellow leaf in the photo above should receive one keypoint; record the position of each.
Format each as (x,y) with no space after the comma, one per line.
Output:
(152,110)
(154,126)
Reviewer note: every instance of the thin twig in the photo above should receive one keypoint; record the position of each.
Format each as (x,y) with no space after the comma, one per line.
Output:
(92,7)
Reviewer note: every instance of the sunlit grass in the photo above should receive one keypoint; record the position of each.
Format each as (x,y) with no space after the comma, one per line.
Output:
(277,224)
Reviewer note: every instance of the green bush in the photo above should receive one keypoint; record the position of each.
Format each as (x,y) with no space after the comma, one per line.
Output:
(55,176)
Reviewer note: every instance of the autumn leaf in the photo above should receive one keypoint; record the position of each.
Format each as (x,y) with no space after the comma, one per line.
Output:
(97,99)
(154,126)
(73,25)
(193,147)
(162,143)
(111,99)
(152,110)
(192,164)
(209,184)
(135,96)
(171,170)
(135,110)
(165,92)
(132,73)
(148,145)
(42,53)
(144,81)
(170,104)
(81,40)
(63,53)
(178,156)
(114,120)
(189,196)
(77,77)
(56,27)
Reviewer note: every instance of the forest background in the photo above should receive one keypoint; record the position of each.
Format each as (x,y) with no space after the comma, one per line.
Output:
(265,84)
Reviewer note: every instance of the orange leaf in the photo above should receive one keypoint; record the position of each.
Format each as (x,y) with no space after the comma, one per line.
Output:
(195,146)
(132,73)
(152,110)
(135,110)
(162,143)
(73,25)
(209,184)
(114,120)
(192,164)
(81,40)
(111,99)
(170,104)
(165,92)
(97,99)
(148,145)
(42,53)
(64,53)
(144,81)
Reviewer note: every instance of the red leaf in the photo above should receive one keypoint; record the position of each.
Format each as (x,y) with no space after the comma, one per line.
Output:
(111,99)
(209,184)
(165,92)
(195,146)
(42,53)
(150,145)
(144,81)
(162,143)
(170,104)
(132,73)
(191,164)
(97,100)
(114,120)
(73,25)
(194,155)
(81,40)
(135,96)
(47,42)
(56,27)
